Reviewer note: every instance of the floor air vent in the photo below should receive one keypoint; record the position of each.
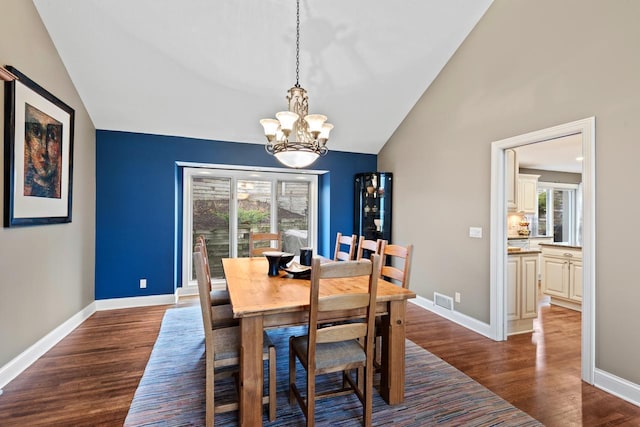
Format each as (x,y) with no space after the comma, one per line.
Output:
(443,301)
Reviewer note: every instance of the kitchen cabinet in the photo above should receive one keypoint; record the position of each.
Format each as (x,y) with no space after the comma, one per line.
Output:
(373,192)
(511,179)
(562,275)
(528,193)
(522,292)
(534,245)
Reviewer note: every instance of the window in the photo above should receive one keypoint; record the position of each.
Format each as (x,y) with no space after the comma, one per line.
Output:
(225,205)
(557,213)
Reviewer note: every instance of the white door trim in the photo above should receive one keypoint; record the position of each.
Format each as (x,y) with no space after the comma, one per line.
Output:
(498,257)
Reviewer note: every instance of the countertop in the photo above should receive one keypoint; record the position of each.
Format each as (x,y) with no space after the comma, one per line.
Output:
(524,252)
(561,245)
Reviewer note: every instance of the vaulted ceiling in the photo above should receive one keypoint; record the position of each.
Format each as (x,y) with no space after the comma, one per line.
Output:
(212,68)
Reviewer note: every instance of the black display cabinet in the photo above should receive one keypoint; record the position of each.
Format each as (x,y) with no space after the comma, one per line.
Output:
(373,192)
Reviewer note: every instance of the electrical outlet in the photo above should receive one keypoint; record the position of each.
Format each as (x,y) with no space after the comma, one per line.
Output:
(457,297)
(143,283)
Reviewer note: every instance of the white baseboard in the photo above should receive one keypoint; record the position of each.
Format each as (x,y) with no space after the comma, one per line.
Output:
(456,317)
(185,291)
(617,386)
(116,303)
(22,361)
(192,289)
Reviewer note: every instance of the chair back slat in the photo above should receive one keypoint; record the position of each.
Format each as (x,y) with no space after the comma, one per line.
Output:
(391,272)
(341,332)
(343,302)
(333,270)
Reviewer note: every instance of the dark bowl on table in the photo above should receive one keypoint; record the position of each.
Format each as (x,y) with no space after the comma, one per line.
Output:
(285,259)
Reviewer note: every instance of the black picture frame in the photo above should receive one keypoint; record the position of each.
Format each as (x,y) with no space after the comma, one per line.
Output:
(38,154)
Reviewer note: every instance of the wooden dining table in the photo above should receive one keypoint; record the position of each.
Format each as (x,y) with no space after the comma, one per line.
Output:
(262,302)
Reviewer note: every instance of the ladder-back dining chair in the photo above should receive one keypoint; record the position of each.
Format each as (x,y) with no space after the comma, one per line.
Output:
(263,242)
(395,265)
(338,347)
(368,247)
(222,351)
(218,296)
(345,254)
(222,313)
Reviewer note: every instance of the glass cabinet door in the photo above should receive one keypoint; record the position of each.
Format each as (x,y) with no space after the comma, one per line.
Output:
(373,191)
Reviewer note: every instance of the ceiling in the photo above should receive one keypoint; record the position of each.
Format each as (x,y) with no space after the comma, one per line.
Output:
(553,155)
(212,68)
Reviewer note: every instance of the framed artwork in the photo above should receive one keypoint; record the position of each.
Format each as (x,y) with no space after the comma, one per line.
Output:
(38,154)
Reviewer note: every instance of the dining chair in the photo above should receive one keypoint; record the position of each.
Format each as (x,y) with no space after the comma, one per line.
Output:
(265,242)
(218,296)
(338,347)
(371,247)
(220,312)
(395,265)
(350,242)
(222,351)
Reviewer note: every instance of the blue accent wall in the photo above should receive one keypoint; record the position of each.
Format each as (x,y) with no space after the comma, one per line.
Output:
(138,204)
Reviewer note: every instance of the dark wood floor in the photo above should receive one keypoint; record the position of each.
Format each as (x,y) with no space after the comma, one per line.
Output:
(537,372)
(89,378)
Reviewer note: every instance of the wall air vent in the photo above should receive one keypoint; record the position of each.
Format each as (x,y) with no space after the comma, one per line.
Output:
(443,301)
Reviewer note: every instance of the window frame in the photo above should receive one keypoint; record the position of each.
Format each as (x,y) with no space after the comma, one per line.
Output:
(189,172)
(572,226)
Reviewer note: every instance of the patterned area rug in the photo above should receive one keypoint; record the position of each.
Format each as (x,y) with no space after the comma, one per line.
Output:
(171,391)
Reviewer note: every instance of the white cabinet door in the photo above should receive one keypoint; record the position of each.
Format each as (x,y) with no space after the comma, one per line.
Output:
(529,286)
(575,285)
(555,276)
(513,290)
(528,193)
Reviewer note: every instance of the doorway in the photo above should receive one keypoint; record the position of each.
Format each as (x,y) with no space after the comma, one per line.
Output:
(586,129)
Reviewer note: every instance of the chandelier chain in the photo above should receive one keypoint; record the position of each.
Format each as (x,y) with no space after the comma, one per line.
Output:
(297,43)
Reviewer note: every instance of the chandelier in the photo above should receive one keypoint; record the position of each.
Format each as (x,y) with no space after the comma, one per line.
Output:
(295,137)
